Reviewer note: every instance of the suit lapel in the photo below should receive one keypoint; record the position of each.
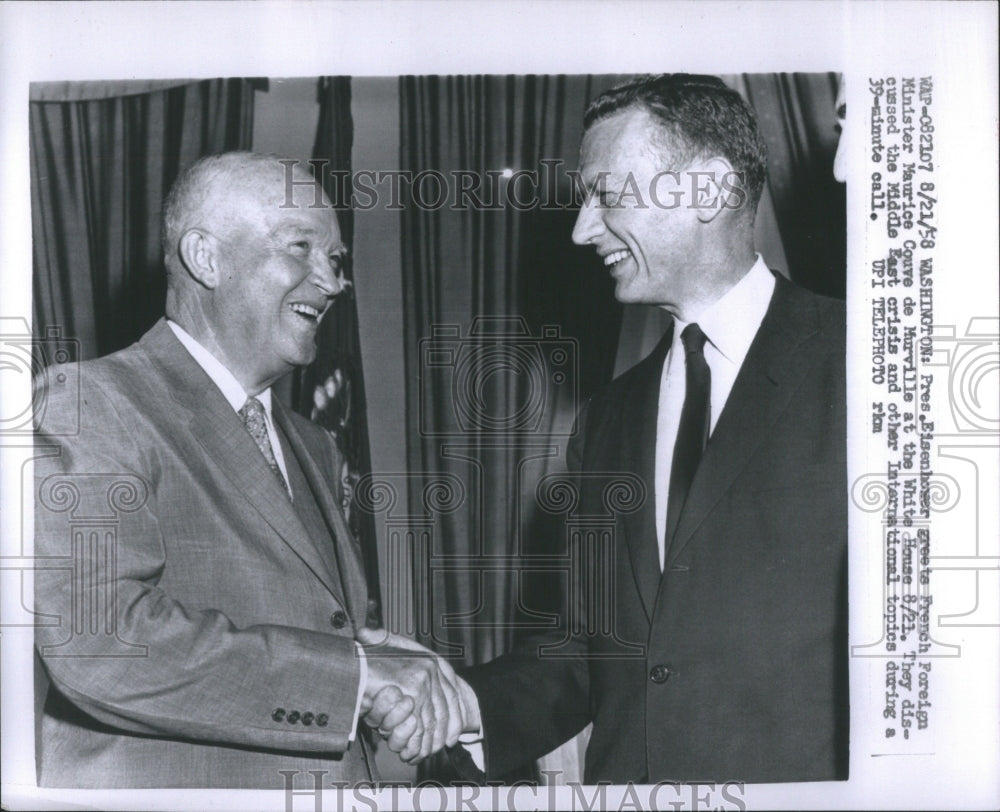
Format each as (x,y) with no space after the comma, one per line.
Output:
(218,429)
(638,448)
(769,377)
(352,576)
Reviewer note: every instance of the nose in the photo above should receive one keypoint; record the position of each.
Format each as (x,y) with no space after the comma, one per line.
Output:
(327,278)
(589,223)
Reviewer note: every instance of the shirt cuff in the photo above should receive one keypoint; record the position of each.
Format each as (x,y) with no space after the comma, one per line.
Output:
(475,750)
(472,741)
(362,684)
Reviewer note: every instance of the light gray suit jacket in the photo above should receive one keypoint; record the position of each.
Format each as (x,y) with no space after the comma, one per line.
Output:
(194,632)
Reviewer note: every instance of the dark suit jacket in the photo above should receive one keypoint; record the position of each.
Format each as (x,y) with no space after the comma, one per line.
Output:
(183,599)
(744,673)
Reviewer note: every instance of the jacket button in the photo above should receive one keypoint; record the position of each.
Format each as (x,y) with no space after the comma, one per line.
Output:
(338,620)
(293,717)
(659,674)
(307,718)
(322,719)
(278,714)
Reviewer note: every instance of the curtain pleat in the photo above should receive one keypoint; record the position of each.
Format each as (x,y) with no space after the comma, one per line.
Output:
(797,118)
(469,273)
(490,263)
(331,390)
(100,168)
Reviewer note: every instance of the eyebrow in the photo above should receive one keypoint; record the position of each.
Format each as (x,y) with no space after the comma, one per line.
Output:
(294,229)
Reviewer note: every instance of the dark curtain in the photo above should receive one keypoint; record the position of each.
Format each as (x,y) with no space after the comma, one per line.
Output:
(331,390)
(798,119)
(508,326)
(100,167)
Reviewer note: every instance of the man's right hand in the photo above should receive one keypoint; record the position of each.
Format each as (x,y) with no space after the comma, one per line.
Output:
(412,695)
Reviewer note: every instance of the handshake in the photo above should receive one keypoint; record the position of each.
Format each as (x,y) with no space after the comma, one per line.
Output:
(413,697)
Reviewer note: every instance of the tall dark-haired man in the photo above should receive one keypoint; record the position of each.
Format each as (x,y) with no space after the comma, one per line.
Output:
(731,578)
(202,623)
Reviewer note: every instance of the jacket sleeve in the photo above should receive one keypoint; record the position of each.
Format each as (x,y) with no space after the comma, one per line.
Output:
(536,697)
(123,650)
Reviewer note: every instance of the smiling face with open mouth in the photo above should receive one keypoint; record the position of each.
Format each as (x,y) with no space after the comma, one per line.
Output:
(280,266)
(637,215)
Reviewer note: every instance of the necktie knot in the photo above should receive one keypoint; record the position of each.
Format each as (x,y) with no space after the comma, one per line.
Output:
(253,412)
(693,339)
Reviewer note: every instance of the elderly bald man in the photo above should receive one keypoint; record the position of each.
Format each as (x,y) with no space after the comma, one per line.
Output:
(206,633)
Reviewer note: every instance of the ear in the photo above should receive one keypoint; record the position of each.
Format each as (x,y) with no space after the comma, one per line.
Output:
(199,253)
(714,186)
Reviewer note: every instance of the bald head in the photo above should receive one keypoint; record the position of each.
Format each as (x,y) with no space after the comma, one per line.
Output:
(213,192)
(254,256)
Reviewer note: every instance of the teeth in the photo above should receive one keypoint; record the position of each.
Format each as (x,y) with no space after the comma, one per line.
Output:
(615,257)
(306,310)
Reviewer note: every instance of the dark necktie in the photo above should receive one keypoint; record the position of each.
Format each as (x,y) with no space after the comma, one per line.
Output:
(692,433)
(256,424)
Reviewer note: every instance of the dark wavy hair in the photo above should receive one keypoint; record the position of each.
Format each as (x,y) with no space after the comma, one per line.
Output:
(698,117)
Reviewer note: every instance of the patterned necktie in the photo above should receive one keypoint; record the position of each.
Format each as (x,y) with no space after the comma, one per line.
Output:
(692,433)
(255,423)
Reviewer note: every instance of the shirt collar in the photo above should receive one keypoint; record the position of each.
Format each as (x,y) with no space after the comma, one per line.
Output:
(231,388)
(731,322)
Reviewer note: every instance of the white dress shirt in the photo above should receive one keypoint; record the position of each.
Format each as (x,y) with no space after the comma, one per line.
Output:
(231,388)
(730,325)
(236,396)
